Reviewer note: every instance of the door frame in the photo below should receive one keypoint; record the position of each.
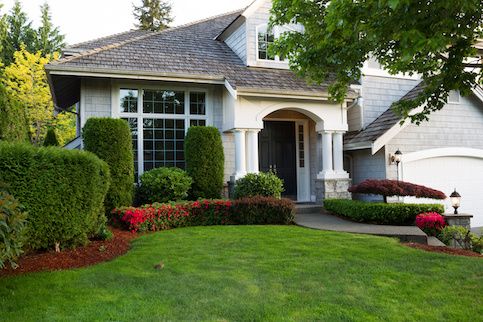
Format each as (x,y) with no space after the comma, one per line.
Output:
(302,173)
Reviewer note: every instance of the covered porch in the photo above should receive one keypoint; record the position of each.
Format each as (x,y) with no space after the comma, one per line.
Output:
(302,142)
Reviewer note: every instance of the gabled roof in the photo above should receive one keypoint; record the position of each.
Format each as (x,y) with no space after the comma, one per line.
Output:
(387,125)
(382,124)
(189,51)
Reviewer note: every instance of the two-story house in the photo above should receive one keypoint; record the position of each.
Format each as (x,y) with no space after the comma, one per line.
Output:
(218,72)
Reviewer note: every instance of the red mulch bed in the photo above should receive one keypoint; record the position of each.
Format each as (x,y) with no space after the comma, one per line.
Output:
(445,250)
(95,252)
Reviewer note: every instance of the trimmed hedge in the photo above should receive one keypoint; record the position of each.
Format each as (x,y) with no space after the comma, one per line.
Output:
(247,211)
(388,188)
(12,227)
(259,184)
(163,185)
(62,191)
(205,161)
(380,213)
(110,139)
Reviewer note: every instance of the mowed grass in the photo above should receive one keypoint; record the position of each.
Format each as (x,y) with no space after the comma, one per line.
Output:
(254,273)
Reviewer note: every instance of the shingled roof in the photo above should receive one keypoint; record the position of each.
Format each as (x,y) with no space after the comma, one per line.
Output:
(186,50)
(382,124)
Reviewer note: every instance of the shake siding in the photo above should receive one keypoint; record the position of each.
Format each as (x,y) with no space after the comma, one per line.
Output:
(456,125)
(238,42)
(354,118)
(95,99)
(380,92)
(367,166)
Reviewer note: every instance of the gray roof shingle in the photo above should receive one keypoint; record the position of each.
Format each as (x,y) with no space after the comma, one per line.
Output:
(188,50)
(383,123)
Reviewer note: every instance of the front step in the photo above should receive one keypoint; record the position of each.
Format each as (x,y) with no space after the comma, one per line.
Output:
(308,208)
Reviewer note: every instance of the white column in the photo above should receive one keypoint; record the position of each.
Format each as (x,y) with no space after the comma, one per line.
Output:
(338,152)
(252,151)
(240,154)
(327,165)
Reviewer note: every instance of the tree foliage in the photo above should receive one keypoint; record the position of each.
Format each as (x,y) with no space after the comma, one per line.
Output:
(49,38)
(13,120)
(26,82)
(18,31)
(433,39)
(153,15)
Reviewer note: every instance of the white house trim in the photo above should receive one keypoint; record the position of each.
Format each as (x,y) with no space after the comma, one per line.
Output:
(442,152)
(303,173)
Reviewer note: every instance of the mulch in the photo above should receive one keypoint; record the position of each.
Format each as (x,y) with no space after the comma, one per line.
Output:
(95,252)
(445,250)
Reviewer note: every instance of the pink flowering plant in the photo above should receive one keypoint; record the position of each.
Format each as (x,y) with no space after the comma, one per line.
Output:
(157,216)
(431,223)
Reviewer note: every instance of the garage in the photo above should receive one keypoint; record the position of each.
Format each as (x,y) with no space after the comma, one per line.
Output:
(446,169)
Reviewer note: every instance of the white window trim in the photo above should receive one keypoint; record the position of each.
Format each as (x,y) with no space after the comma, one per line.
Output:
(276,33)
(140,115)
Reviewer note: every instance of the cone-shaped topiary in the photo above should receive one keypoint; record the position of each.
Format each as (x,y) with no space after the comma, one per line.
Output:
(51,138)
(110,139)
(204,161)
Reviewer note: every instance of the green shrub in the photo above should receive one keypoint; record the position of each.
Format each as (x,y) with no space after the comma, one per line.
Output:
(380,213)
(163,184)
(110,139)
(62,191)
(204,161)
(14,125)
(260,184)
(12,225)
(462,237)
(51,138)
(247,211)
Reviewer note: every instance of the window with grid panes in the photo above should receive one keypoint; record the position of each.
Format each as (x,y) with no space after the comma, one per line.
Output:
(162,117)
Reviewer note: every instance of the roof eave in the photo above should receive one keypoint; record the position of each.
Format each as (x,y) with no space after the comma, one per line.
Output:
(57,69)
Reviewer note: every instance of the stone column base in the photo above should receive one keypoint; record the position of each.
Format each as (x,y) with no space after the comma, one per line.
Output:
(459,220)
(332,189)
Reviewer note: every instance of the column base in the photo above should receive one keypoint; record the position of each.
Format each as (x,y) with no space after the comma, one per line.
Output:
(332,174)
(335,188)
(237,176)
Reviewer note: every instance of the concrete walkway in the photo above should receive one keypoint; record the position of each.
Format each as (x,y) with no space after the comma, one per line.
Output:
(323,221)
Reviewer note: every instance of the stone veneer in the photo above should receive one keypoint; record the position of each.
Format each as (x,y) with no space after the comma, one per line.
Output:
(459,220)
(331,189)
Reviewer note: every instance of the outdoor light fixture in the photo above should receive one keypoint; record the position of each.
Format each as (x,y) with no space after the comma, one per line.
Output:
(455,201)
(396,158)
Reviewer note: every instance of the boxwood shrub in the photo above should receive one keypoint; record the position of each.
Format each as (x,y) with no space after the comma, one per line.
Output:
(205,161)
(380,213)
(259,184)
(62,191)
(162,185)
(110,139)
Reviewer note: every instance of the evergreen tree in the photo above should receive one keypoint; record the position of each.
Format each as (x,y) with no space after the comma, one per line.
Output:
(49,38)
(19,31)
(154,15)
(13,119)
(51,138)
(3,32)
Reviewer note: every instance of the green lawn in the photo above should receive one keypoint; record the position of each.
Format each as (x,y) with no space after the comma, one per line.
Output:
(248,273)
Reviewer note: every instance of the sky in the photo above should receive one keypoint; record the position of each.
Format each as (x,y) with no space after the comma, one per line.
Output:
(82,20)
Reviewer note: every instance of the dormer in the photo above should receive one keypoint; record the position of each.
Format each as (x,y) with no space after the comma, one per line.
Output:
(249,37)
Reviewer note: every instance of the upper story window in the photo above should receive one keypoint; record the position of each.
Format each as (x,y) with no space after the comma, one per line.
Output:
(265,38)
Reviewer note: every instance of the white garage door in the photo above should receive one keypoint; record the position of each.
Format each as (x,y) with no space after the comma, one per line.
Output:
(446,173)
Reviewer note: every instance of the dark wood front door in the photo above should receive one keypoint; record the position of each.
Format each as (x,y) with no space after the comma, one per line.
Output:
(277,153)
